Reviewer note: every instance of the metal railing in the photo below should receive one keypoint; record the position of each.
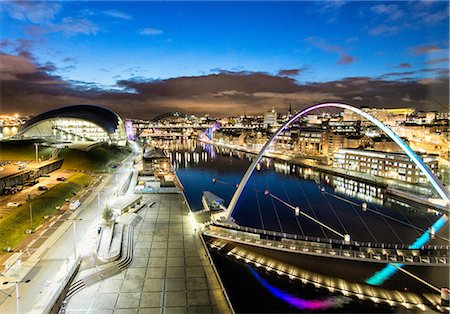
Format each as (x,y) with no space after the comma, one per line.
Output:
(412,257)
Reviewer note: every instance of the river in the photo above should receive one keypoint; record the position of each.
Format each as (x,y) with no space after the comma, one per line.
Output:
(335,201)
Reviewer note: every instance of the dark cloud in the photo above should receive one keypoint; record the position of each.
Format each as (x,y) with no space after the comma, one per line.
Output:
(291,72)
(403,66)
(32,88)
(424,49)
(439,72)
(70,60)
(346,59)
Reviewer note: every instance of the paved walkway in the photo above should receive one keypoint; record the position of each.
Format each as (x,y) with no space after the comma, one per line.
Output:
(169,273)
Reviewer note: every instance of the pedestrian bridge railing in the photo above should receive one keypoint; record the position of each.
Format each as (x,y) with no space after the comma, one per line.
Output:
(311,247)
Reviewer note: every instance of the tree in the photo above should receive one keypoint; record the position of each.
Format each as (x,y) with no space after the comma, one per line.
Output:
(108,215)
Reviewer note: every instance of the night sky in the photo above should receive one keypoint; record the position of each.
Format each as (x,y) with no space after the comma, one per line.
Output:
(223,58)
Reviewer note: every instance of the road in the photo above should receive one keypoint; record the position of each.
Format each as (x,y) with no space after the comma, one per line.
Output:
(21,197)
(55,258)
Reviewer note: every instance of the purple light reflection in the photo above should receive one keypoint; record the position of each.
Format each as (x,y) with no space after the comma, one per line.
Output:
(302,304)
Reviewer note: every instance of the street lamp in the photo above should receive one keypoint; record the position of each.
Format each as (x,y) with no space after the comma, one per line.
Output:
(31,211)
(36,145)
(17,290)
(74,236)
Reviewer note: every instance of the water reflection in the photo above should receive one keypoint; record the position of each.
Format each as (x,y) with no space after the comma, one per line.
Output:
(184,154)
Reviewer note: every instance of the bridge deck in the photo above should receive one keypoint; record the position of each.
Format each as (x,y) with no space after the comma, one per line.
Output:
(364,254)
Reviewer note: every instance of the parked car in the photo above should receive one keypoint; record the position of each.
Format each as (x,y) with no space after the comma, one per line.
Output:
(42,188)
(61,179)
(13,204)
(31,183)
(75,204)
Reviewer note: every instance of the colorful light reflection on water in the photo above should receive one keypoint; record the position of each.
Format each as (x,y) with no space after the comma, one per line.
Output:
(389,270)
(299,303)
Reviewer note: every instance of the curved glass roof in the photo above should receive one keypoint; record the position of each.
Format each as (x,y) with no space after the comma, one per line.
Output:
(103,117)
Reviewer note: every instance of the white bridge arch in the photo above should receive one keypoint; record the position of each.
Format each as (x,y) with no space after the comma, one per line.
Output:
(438,186)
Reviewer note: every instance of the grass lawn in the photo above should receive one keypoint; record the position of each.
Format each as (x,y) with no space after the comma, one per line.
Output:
(22,150)
(13,226)
(98,159)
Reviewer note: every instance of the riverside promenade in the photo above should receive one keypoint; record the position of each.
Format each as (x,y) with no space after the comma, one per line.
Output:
(170,270)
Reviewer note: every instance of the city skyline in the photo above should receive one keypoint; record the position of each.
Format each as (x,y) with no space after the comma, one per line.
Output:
(223,58)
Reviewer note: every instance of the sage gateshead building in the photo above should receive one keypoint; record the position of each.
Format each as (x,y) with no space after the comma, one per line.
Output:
(78,123)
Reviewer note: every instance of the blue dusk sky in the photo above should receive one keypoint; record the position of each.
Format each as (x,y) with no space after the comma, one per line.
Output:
(144,58)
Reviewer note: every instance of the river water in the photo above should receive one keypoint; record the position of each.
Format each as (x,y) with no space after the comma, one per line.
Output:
(339,207)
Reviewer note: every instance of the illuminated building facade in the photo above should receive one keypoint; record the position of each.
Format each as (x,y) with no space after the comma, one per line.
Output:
(79,123)
(389,165)
(270,118)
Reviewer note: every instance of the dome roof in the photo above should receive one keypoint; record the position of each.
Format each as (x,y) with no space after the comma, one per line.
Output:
(103,117)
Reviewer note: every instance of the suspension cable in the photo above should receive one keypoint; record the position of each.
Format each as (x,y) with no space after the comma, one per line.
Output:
(259,207)
(274,207)
(335,214)
(296,209)
(296,218)
(416,277)
(382,214)
(309,204)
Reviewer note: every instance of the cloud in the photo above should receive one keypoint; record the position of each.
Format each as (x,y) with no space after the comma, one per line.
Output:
(391,18)
(437,61)
(385,30)
(68,26)
(150,31)
(118,14)
(291,72)
(13,66)
(403,66)
(70,60)
(27,86)
(344,57)
(20,46)
(331,6)
(424,49)
(438,72)
(328,9)
(431,19)
(36,12)
(392,11)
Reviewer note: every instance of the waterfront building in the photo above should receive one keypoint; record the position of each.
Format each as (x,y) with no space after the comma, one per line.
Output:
(155,161)
(382,164)
(311,142)
(357,141)
(345,127)
(270,118)
(79,123)
(385,144)
(389,117)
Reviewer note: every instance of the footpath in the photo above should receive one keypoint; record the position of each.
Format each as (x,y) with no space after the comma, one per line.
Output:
(165,268)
